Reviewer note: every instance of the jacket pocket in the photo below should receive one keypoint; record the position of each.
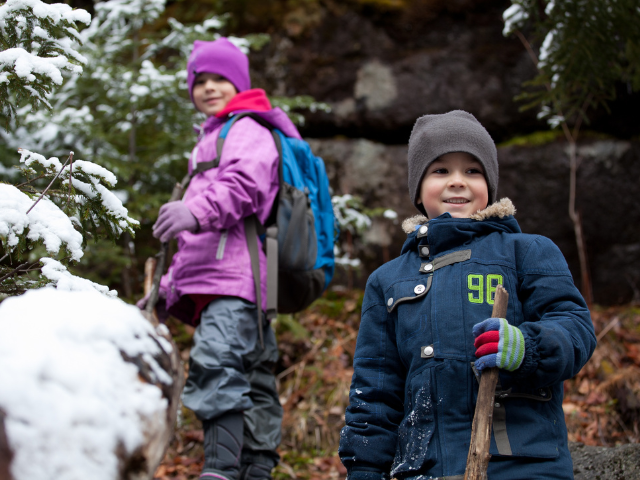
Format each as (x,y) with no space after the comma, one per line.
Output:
(417,450)
(530,428)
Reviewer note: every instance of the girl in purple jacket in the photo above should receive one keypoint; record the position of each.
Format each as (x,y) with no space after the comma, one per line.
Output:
(231,386)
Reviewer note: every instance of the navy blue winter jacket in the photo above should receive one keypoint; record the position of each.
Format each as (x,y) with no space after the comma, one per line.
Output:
(414,390)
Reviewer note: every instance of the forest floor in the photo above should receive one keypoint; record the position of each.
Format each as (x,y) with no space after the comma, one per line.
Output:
(601,404)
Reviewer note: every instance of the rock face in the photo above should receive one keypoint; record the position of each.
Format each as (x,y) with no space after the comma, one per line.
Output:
(536,179)
(380,70)
(382,64)
(599,463)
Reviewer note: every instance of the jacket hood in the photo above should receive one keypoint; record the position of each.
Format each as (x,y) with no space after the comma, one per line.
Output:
(446,232)
(255,101)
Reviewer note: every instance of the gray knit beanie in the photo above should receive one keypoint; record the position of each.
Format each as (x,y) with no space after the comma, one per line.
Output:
(457,131)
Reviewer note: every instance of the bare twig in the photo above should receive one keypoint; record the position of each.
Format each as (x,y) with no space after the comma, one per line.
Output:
(30,181)
(50,183)
(70,177)
(309,355)
(528,47)
(13,272)
(581,113)
(626,431)
(615,321)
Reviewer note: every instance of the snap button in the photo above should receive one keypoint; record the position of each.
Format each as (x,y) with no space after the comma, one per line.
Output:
(428,351)
(423,229)
(419,289)
(425,251)
(390,302)
(497,405)
(428,267)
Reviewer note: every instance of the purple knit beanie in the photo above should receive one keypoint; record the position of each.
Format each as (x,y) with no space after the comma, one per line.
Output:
(221,57)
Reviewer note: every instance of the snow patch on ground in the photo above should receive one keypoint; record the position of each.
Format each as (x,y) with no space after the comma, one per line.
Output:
(70,398)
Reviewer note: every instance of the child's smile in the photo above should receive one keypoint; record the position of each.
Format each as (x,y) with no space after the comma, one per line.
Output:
(212,92)
(454,183)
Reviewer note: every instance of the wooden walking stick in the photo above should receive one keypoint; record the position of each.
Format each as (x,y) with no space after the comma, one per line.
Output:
(478,458)
(154,267)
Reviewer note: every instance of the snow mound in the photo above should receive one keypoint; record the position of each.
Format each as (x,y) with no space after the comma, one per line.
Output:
(74,406)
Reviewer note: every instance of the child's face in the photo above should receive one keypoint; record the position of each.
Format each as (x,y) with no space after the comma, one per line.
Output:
(212,92)
(454,183)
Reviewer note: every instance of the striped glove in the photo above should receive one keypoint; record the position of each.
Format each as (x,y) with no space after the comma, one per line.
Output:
(498,344)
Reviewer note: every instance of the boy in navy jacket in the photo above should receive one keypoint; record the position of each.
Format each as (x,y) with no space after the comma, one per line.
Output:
(425,334)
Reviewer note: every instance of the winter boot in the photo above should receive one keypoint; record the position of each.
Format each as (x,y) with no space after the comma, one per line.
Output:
(222,447)
(257,466)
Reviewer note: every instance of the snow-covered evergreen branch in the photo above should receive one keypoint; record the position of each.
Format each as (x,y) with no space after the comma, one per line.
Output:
(583,51)
(38,42)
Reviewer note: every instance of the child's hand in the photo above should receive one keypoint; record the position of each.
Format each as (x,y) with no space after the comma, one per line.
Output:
(174,217)
(498,344)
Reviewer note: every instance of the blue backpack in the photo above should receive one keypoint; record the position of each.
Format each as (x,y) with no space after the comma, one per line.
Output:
(300,231)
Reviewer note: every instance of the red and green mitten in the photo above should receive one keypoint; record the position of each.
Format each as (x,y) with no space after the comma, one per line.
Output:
(498,344)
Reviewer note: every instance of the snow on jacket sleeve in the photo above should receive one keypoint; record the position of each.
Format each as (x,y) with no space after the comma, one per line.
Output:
(558,331)
(368,441)
(246,182)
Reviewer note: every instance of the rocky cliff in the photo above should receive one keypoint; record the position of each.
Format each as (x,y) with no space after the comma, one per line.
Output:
(380,64)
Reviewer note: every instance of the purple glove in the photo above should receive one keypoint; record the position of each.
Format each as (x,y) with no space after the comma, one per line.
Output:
(174,217)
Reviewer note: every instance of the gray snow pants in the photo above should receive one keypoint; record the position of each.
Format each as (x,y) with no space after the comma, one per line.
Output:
(230,372)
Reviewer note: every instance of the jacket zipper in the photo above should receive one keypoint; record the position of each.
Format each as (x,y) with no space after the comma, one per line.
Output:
(221,245)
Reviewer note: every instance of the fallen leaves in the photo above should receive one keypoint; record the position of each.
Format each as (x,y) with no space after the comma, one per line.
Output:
(602,403)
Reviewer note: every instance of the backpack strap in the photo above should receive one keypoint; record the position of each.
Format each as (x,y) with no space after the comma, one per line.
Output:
(251,234)
(272,270)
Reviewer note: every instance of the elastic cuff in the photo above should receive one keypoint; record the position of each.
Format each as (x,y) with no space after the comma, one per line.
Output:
(531,358)
(202,215)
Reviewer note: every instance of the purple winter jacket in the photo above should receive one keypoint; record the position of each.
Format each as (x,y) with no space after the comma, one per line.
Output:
(215,260)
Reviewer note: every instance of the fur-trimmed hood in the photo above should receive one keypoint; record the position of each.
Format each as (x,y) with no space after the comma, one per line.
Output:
(500,209)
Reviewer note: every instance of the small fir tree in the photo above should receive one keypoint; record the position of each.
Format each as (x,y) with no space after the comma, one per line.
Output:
(49,208)
(37,42)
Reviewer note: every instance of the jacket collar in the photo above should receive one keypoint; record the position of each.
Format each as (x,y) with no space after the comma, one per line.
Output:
(254,100)
(445,232)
